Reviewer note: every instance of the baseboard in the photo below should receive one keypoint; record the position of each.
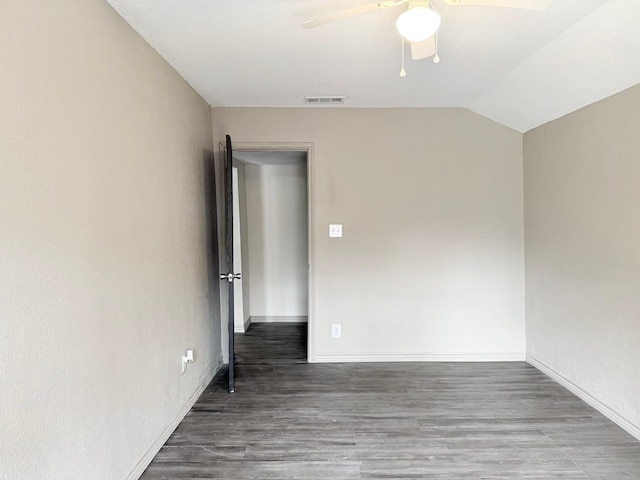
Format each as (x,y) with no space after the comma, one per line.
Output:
(607,411)
(279,319)
(422,357)
(237,329)
(146,459)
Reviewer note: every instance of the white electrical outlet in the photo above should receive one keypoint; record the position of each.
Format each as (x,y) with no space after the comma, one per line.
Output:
(336,330)
(187,358)
(185,362)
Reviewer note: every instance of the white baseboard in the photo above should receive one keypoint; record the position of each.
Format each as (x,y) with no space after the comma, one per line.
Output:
(422,357)
(607,411)
(146,459)
(278,319)
(237,329)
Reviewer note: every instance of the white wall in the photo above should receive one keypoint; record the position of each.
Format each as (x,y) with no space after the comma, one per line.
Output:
(277,240)
(431,265)
(238,315)
(582,191)
(244,242)
(104,272)
(240,251)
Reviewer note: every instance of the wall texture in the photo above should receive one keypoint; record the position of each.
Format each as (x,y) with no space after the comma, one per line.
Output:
(277,239)
(431,265)
(104,266)
(582,190)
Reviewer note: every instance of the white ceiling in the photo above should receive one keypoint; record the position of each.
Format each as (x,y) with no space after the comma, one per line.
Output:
(521,68)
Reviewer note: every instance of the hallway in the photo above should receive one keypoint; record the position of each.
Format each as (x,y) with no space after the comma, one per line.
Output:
(270,343)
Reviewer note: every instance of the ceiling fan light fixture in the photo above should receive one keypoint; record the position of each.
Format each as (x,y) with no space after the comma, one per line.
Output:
(418,23)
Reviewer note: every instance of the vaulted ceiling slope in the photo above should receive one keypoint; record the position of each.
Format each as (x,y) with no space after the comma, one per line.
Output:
(520,68)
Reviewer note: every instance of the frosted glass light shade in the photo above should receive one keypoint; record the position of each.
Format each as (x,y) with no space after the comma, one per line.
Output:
(418,23)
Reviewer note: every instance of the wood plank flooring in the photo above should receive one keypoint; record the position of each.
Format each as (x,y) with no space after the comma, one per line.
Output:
(272,343)
(291,420)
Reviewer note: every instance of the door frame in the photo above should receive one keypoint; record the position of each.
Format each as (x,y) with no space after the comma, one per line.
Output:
(307,147)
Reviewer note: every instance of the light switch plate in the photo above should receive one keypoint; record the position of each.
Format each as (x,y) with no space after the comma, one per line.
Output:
(335,231)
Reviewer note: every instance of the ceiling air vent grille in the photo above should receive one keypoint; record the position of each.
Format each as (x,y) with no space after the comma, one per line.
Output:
(325,100)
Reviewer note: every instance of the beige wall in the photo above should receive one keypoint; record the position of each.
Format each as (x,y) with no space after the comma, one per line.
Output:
(277,240)
(431,264)
(103,243)
(582,197)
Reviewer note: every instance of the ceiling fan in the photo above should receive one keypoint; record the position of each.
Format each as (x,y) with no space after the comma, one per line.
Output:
(420,22)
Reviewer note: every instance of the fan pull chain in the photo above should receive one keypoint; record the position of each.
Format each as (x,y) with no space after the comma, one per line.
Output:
(436,57)
(403,72)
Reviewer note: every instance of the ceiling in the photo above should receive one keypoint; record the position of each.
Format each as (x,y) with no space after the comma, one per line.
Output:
(520,68)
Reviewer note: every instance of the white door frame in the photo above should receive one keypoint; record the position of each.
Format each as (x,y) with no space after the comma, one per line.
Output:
(308,148)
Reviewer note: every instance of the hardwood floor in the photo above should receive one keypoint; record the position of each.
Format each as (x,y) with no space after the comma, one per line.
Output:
(291,420)
(272,343)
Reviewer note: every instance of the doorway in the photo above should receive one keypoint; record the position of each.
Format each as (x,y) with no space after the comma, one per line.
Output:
(271,245)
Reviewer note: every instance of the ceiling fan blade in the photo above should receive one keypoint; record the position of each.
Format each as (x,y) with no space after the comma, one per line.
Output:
(350,12)
(424,49)
(523,4)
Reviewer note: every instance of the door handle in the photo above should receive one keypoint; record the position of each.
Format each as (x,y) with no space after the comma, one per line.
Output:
(230,277)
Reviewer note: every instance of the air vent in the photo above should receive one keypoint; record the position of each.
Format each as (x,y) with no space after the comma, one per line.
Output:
(325,100)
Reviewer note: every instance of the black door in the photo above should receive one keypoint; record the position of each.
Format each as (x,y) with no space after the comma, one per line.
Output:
(230,276)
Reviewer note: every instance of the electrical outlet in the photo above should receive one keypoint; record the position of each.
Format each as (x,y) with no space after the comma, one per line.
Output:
(187,358)
(336,330)
(185,362)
